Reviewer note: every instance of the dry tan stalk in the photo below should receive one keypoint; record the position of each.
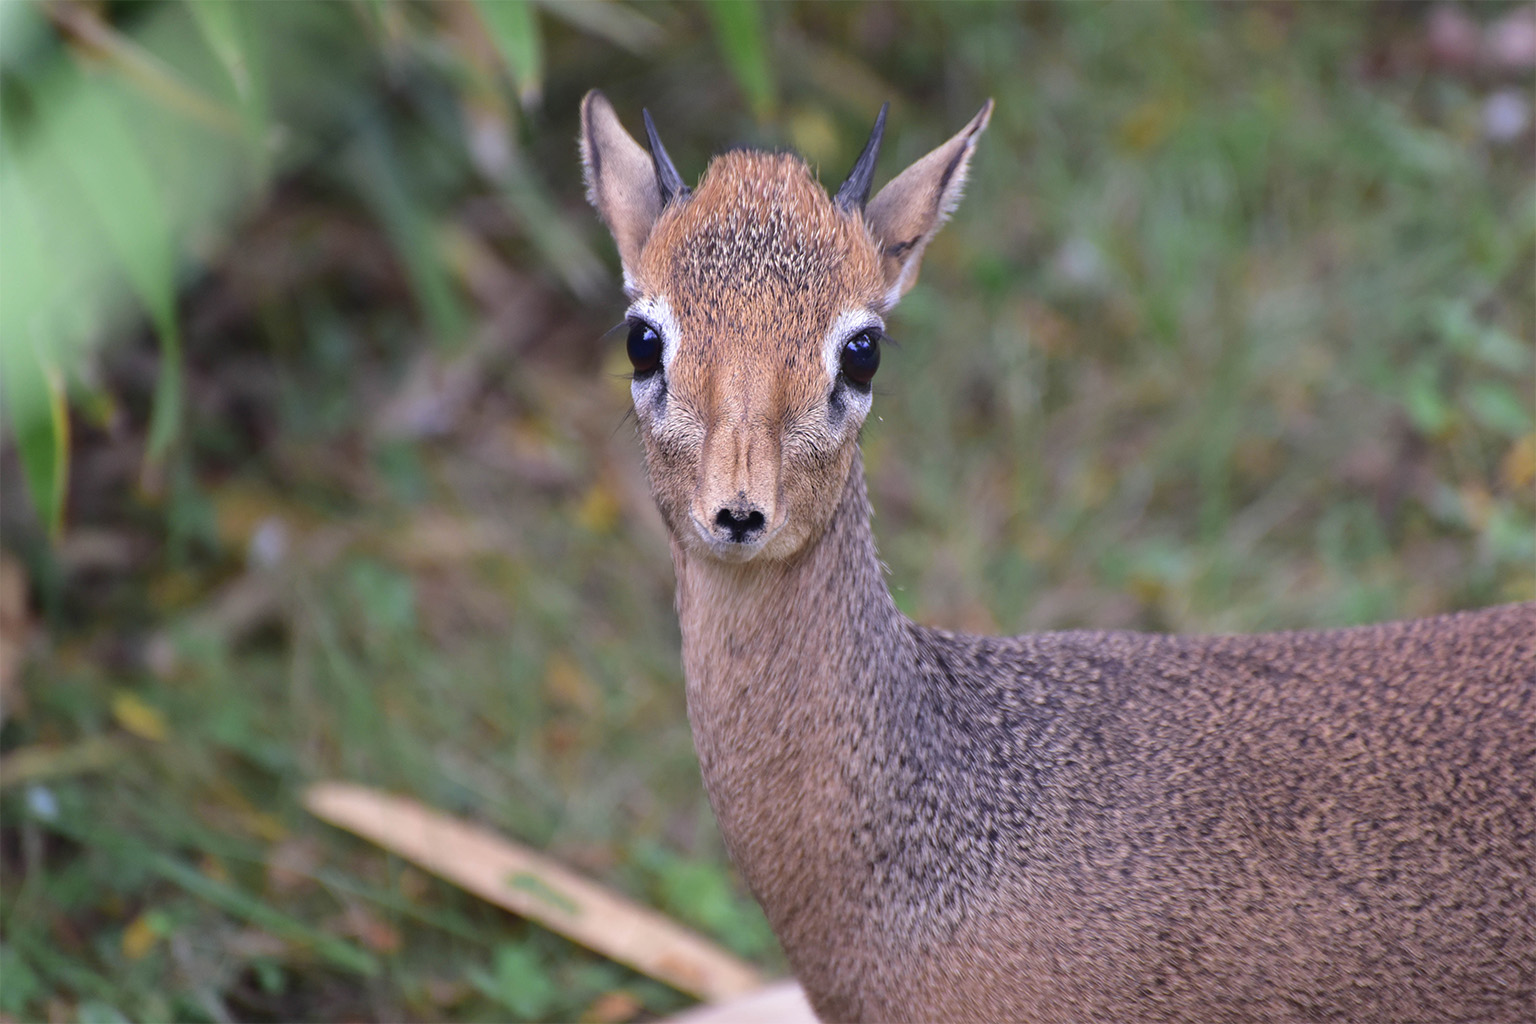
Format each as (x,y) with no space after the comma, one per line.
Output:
(514,877)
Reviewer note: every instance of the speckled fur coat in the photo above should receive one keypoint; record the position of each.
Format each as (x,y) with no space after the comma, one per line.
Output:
(1119,826)
(1064,827)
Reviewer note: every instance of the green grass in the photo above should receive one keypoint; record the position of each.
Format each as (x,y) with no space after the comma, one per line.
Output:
(1231,332)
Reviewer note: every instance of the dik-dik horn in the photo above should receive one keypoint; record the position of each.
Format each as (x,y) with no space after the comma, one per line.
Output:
(1104,826)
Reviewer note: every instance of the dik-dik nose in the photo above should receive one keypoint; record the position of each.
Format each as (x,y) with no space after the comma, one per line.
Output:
(741,524)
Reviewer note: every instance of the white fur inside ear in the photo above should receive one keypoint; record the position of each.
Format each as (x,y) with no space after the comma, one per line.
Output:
(949,201)
(897,290)
(906,214)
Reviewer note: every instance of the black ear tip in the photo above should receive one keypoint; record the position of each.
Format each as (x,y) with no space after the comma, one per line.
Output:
(652,139)
(854,192)
(877,133)
(668,181)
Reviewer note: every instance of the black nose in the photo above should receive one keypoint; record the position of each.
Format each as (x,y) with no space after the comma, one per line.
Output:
(742,526)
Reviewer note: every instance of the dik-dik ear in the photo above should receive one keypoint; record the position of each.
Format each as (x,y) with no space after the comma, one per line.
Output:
(909,211)
(628,186)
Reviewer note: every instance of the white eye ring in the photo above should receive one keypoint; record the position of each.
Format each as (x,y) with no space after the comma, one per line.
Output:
(844,326)
(657,311)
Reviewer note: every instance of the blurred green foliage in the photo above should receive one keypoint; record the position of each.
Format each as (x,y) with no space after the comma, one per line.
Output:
(321,445)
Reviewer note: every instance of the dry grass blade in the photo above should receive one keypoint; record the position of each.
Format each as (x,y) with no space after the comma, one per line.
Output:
(15,631)
(37,763)
(527,883)
(618,23)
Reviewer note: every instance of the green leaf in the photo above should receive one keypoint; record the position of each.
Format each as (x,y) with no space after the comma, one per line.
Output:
(220,23)
(1489,343)
(34,397)
(615,22)
(377,171)
(700,893)
(21,982)
(131,854)
(539,215)
(58,969)
(118,185)
(740,30)
(1425,401)
(135,65)
(520,981)
(165,420)
(515,31)
(23,31)
(339,952)
(1497,407)
(386,598)
(32,385)
(95,1011)
(216,20)
(49,472)
(1502,350)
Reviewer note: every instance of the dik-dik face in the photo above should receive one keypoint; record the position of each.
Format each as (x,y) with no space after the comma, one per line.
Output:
(754,330)
(755,323)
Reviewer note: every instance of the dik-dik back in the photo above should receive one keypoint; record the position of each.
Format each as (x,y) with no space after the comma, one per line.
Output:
(1063,827)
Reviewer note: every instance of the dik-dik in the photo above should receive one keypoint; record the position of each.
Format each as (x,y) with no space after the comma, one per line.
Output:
(1077,826)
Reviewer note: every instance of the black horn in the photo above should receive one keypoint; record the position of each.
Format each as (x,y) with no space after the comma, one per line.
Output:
(667,178)
(854,192)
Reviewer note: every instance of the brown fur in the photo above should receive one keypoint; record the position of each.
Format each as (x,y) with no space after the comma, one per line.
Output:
(745,386)
(1071,826)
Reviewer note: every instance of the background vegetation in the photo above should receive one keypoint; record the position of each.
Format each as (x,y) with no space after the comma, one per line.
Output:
(316,464)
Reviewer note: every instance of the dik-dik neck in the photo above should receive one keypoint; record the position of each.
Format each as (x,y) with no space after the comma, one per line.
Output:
(781,660)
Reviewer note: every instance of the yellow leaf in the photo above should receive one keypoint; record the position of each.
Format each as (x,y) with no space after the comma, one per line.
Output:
(1477,504)
(138,717)
(813,133)
(175,589)
(240,510)
(613,1008)
(599,509)
(212,867)
(565,684)
(139,937)
(262,824)
(1147,590)
(1149,124)
(1519,467)
(266,825)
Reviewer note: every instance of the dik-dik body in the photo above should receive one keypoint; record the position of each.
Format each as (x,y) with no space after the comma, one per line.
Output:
(1063,827)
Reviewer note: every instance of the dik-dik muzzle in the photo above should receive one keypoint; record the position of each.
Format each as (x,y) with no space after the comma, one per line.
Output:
(736,503)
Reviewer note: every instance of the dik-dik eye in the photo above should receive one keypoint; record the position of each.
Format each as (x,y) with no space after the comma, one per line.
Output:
(860,359)
(644,347)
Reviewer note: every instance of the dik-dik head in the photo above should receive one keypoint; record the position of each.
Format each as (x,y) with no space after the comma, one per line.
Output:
(755,321)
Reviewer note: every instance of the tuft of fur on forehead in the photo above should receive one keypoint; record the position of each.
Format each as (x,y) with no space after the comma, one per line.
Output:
(760,227)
